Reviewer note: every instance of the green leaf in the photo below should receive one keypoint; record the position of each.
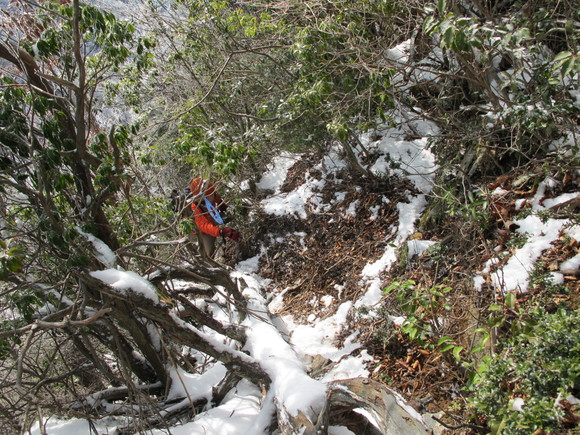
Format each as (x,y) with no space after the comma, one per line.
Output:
(522,35)
(562,55)
(441,6)
(447,347)
(510,301)
(496,321)
(443,340)
(448,37)
(567,66)
(498,427)
(457,351)
(461,43)
(463,21)
(430,25)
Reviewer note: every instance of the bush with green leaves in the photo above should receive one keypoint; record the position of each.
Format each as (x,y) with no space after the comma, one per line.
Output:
(11,256)
(422,309)
(518,72)
(520,389)
(264,76)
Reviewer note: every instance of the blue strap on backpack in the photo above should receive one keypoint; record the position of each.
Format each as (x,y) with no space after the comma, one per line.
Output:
(213,212)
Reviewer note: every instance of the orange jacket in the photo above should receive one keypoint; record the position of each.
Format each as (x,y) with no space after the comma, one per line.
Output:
(203,219)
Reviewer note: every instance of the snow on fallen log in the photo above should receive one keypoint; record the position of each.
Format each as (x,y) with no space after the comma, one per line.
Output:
(299,399)
(126,281)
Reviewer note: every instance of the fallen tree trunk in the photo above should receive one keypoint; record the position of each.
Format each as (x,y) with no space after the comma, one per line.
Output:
(384,410)
(183,333)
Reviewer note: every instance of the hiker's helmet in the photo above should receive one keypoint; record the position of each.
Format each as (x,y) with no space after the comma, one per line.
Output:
(205,187)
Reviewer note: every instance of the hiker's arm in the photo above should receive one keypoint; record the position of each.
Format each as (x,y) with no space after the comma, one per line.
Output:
(204,224)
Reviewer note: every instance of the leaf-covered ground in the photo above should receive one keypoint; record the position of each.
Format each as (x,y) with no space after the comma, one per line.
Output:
(323,255)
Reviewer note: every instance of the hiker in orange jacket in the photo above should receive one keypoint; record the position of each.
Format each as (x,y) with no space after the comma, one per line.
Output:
(206,213)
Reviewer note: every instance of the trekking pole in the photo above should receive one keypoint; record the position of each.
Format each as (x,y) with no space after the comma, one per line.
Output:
(219,244)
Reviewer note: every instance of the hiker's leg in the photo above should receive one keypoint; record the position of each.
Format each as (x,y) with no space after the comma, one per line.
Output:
(193,245)
(208,244)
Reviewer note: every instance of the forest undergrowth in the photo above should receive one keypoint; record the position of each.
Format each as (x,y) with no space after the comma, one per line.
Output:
(102,117)
(432,378)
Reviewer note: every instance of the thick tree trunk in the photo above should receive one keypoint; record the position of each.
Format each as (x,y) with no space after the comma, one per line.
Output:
(126,314)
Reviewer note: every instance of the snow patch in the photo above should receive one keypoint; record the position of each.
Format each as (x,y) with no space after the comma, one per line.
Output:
(124,281)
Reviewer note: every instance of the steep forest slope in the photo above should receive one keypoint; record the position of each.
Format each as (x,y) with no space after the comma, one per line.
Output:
(318,249)
(405,179)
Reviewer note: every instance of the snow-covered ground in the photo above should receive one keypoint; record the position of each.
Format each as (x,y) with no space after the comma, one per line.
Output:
(541,234)
(283,347)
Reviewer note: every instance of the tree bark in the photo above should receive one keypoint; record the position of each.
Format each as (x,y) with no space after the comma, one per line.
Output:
(390,413)
(178,331)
